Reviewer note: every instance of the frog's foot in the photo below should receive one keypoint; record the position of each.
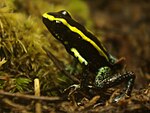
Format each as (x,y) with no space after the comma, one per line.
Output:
(115,98)
(119,97)
(72,89)
(77,87)
(74,86)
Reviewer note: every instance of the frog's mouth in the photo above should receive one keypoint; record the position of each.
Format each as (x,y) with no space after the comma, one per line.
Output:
(50,26)
(48,23)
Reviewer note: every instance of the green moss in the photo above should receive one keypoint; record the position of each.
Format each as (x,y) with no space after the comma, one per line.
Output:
(22,37)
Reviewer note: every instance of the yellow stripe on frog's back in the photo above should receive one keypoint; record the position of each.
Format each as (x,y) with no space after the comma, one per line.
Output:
(76,30)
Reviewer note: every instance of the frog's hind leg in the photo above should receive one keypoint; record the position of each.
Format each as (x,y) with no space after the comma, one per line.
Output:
(105,80)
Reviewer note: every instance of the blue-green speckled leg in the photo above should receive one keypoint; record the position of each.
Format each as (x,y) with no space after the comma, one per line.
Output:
(104,80)
(103,73)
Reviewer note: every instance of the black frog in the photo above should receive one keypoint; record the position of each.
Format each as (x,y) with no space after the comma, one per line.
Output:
(89,52)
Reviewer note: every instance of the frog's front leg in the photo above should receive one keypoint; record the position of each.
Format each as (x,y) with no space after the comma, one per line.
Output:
(83,85)
(105,79)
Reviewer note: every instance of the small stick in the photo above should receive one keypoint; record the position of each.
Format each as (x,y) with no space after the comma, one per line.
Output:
(31,97)
(37,93)
(14,105)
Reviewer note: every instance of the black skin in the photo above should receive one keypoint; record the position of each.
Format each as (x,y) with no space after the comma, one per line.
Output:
(106,70)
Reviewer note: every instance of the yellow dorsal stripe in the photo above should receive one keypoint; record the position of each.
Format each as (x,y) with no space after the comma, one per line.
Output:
(76,30)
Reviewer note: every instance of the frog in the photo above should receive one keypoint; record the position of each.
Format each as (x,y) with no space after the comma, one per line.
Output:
(89,51)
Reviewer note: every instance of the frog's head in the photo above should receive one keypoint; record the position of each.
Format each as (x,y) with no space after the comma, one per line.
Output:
(57,23)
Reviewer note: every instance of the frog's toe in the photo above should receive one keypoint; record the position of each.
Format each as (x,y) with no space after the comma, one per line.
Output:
(119,98)
(72,88)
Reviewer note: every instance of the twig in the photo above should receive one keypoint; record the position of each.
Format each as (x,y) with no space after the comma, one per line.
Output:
(90,103)
(31,97)
(37,87)
(37,93)
(60,66)
(14,105)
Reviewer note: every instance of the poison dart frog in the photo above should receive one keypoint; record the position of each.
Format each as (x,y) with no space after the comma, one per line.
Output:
(89,52)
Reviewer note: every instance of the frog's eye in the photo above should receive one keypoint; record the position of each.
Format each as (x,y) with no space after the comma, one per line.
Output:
(65,13)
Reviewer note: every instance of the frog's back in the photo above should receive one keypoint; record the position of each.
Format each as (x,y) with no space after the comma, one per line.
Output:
(94,58)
